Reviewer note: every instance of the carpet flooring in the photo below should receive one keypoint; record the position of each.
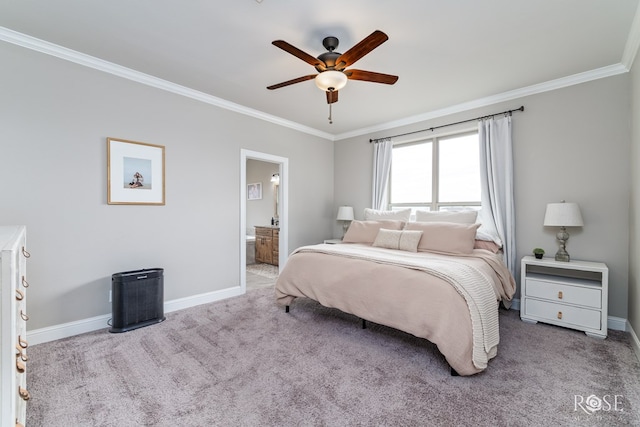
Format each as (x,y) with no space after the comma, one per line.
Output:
(245,362)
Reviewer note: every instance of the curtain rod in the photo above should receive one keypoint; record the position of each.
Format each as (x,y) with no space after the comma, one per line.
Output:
(450,124)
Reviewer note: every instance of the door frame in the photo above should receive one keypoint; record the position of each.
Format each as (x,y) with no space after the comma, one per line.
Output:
(283,206)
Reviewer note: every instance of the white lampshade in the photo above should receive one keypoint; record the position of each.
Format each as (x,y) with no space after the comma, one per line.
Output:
(345,213)
(331,79)
(563,215)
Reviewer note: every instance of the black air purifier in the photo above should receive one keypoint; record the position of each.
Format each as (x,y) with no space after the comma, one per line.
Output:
(137,299)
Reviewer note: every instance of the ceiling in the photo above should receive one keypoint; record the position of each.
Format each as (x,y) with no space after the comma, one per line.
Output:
(450,55)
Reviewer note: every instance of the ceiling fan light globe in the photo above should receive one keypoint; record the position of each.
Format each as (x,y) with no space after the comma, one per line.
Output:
(331,80)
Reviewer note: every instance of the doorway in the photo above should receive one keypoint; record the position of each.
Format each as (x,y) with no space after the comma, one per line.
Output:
(254,192)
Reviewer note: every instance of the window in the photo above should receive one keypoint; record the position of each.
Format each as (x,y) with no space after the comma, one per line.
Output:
(440,173)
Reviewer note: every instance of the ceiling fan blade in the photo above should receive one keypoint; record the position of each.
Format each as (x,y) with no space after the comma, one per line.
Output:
(370,76)
(294,81)
(298,53)
(332,96)
(369,43)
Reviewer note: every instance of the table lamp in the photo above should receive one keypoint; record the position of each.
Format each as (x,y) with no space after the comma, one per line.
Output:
(345,214)
(563,215)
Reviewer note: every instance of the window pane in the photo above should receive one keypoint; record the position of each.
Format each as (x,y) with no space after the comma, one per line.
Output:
(459,174)
(411,174)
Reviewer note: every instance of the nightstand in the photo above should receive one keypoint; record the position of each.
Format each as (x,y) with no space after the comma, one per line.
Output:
(333,241)
(570,294)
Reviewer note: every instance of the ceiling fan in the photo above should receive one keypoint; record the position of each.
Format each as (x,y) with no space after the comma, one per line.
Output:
(331,65)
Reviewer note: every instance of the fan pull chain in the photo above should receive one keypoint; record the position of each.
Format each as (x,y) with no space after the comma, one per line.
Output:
(330,120)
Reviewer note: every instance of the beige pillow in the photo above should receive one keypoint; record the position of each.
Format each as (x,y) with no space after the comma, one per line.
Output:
(403,240)
(366,231)
(487,245)
(459,217)
(399,215)
(445,237)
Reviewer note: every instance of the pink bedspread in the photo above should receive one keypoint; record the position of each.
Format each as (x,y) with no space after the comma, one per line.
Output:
(406,298)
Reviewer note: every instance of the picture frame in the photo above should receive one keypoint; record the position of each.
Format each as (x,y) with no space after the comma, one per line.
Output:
(254,191)
(135,173)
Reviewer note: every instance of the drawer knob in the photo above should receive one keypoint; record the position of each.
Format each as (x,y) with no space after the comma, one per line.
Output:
(559,315)
(19,295)
(559,294)
(24,394)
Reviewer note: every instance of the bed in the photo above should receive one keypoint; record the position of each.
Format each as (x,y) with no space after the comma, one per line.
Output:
(426,279)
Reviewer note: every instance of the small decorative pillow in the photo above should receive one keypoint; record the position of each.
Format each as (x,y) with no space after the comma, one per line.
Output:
(366,231)
(459,217)
(403,240)
(399,215)
(445,237)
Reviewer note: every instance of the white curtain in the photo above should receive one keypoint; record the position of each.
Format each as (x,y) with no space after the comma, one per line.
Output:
(381,169)
(496,173)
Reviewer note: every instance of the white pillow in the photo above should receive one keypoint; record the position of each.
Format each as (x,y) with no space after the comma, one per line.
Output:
(399,215)
(487,230)
(459,217)
(403,240)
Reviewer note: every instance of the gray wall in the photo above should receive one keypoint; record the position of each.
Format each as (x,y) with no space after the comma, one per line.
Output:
(570,144)
(55,117)
(634,232)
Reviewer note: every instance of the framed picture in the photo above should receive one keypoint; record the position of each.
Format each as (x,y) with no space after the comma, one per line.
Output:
(135,173)
(254,191)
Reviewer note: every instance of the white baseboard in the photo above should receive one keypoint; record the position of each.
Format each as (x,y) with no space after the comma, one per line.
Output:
(615,323)
(52,333)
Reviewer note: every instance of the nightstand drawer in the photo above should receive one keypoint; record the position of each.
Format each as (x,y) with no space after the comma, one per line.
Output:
(561,314)
(588,297)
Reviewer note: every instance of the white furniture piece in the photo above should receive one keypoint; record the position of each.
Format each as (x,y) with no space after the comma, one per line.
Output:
(13,330)
(571,294)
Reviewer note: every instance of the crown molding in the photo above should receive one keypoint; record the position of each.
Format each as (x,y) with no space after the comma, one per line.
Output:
(633,41)
(42,46)
(32,43)
(574,79)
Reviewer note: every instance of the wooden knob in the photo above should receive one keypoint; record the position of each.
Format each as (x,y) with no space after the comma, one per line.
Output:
(559,315)
(24,394)
(560,295)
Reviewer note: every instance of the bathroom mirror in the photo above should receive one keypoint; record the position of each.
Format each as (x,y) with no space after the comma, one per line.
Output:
(275,180)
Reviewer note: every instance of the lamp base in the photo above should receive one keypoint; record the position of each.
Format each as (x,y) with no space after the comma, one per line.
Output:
(345,227)
(562,254)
